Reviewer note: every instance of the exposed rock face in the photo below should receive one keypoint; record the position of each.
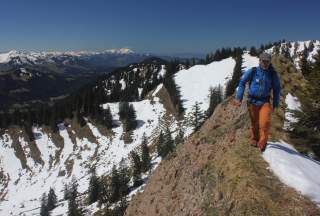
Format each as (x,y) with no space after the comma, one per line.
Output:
(216,172)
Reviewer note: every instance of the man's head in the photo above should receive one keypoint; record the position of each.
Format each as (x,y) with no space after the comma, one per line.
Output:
(265,60)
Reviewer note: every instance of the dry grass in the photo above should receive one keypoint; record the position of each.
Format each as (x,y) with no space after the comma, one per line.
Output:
(164,96)
(83,132)
(58,142)
(69,165)
(216,172)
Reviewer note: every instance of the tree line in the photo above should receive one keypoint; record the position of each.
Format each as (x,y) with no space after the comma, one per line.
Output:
(308,118)
(131,83)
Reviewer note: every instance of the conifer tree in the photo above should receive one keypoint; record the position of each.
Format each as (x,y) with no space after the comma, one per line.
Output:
(207,59)
(124,177)
(66,191)
(123,110)
(308,118)
(196,117)
(29,132)
(237,73)
(180,136)
(174,92)
(74,206)
(305,66)
(253,51)
(105,192)
(94,187)
(145,154)
(215,97)
(131,118)
(165,143)
(52,200)
(262,48)
(137,168)
(276,49)
(2,121)
(285,51)
(160,144)
(80,119)
(310,47)
(44,211)
(115,185)
(295,48)
(107,118)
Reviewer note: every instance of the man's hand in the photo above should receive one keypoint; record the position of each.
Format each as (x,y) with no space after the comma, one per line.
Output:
(237,103)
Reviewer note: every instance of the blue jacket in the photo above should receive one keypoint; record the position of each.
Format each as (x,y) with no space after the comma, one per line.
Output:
(260,87)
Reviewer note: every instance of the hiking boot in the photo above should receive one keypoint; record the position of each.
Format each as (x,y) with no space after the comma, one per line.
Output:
(262,147)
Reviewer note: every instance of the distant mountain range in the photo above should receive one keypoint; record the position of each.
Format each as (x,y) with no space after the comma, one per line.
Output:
(107,58)
(27,76)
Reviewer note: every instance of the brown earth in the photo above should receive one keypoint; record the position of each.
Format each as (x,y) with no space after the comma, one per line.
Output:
(216,172)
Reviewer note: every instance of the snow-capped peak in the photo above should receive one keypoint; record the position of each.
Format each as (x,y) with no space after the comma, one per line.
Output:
(119,51)
(36,56)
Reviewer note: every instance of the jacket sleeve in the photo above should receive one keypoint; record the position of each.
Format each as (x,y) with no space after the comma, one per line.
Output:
(276,90)
(242,84)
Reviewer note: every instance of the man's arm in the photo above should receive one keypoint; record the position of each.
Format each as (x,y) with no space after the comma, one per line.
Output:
(276,90)
(242,84)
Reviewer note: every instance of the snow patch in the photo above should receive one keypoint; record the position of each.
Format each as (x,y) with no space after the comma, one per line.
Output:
(292,104)
(294,169)
(196,81)
(249,61)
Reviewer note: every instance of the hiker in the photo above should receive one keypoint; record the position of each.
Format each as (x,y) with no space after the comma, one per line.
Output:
(261,80)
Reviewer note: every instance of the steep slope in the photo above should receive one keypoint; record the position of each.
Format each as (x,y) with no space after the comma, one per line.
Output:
(81,150)
(53,159)
(216,172)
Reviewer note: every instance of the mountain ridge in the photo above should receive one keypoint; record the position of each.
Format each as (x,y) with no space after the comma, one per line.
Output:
(216,172)
(211,184)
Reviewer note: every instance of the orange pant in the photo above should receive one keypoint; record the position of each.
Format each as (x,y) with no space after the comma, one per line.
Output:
(260,123)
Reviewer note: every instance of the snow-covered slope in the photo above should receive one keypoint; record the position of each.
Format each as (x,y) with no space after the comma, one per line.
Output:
(196,81)
(294,169)
(296,49)
(249,61)
(79,155)
(26,187)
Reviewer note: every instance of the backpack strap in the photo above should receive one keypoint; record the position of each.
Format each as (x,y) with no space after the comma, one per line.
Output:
(253,73)
(273,73)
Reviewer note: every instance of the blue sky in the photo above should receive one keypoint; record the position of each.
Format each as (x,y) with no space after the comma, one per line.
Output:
(157,26)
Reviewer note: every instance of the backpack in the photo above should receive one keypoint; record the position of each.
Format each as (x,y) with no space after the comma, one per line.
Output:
(254,71)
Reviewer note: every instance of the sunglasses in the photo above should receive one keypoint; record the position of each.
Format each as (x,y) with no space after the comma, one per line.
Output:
(265,61)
